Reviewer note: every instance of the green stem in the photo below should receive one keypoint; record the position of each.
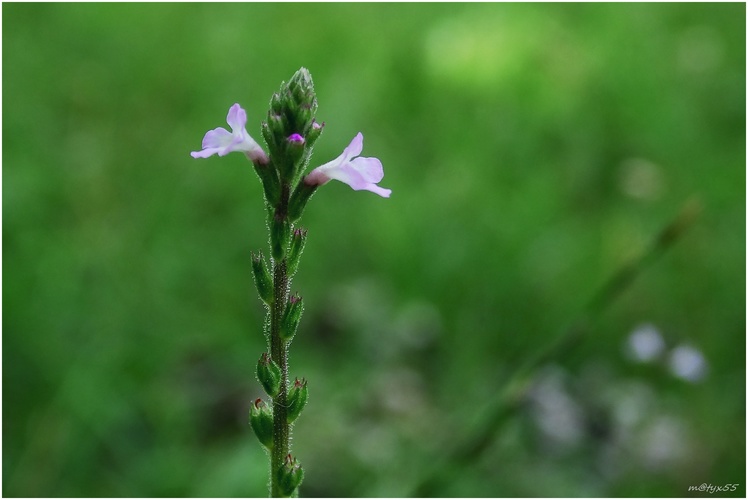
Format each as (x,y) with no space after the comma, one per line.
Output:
(280,355)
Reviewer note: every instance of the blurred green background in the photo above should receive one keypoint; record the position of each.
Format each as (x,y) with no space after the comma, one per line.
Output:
(532,151)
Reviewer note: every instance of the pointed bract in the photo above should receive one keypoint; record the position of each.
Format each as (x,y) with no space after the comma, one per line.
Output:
(297,398)
(290,476)
(291,317)
(261,420)
(269,375)
(298,240)
(263,281)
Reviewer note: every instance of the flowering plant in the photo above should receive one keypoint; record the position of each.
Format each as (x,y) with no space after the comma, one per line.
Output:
(290,132)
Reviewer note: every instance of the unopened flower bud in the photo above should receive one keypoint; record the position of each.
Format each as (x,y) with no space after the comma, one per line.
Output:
(298,240)
(299,199)
(296,146)
(314,132)
(263,282)
(276,124)
(297,398)
(304,116)
(275,103)
(269,375)
(280,232)
(267,133)
(270,182)
(301,87)
(296,140)
(290,476)
(261,420)
(298,103)
(291,317)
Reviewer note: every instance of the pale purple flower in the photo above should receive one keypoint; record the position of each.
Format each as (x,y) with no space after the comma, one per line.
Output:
(223,142)
(359,173)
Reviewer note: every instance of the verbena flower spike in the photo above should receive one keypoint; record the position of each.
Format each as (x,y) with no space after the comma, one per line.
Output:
(290,133)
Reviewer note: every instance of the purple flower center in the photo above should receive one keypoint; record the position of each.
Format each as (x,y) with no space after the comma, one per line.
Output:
(296,138)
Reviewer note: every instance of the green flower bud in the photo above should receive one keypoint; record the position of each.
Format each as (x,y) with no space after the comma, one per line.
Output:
(304,117)
(298,102)
(315,130)
(276,106)
(299,199)
(270,183)
(296,143)
(302,87)
(269,134)
(290,109)
(297,398)
(290,476)
(269,375)
(298,240)
(263,281)
(291,317)
(280,232)
(261,420)
(290,118)
(293,156)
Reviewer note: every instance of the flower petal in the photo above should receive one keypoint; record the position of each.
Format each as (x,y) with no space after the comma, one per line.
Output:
(237,118)
(360,173)
(384,193)
(222,142)
(205,152)
(370,168)
(355,147)
(217,138)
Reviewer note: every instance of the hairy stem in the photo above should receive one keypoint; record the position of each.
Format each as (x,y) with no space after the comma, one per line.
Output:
(280,355)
